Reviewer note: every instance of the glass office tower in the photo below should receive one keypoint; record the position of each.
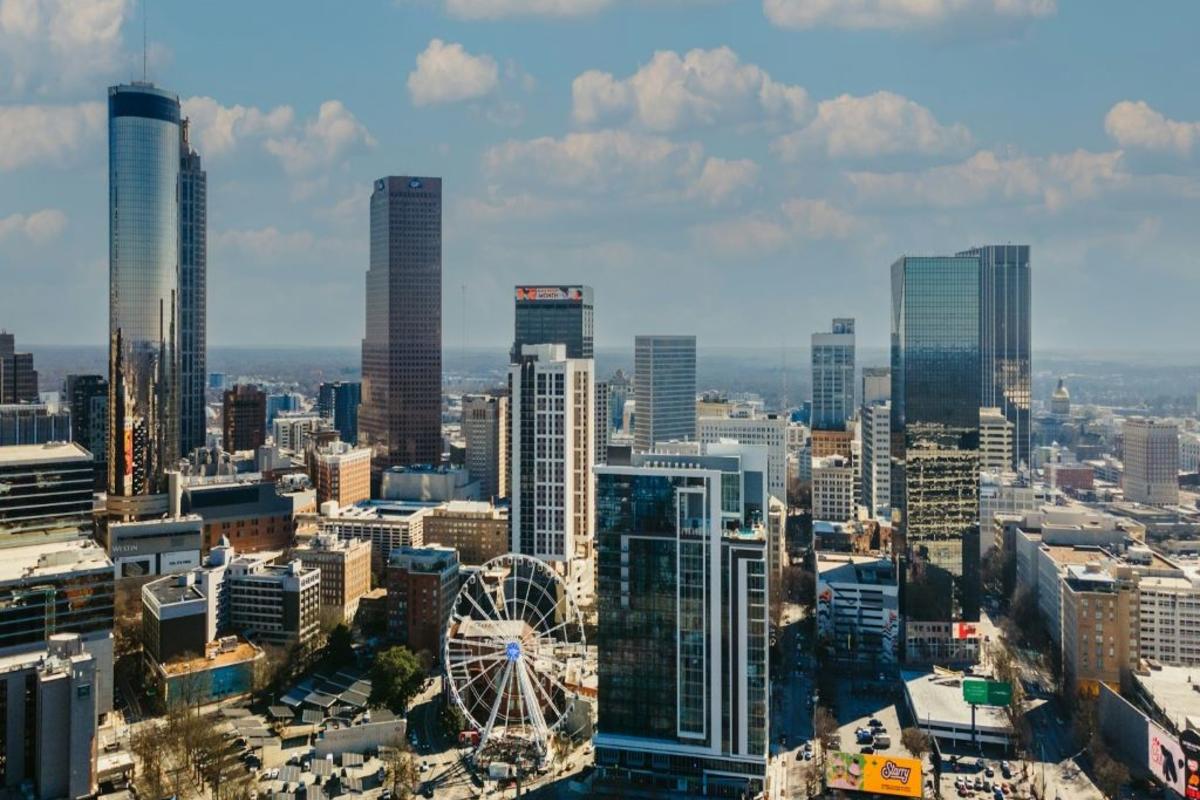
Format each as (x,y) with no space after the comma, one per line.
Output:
(553,315)
(935,425)
(1004,337)
(664,390)
(143,402)
(833,376)
(682,592)
(193,295)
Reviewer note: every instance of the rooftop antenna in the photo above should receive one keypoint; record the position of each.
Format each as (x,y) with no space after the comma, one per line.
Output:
(145,13)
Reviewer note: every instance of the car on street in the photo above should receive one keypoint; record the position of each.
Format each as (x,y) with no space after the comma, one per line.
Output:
(867,750)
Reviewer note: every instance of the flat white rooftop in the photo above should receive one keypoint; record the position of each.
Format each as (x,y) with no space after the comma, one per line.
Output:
(21,454)
(51,558)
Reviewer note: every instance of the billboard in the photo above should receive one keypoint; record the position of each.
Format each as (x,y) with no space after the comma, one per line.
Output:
(881,774)
(1189,740)
(1166,758)
(964,630)
(986,693)
(535,294)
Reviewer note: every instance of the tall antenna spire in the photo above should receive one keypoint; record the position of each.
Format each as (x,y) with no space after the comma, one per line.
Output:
(145,12)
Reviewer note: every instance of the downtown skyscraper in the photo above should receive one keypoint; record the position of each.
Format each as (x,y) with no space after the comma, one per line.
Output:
(664,390)
(553,315)
(400,419)
(193,295)
(1004,338)
(144,145)
(682,637)
(833,376)
(935,431)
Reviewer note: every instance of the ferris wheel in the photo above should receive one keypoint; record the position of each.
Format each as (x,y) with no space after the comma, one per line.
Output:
(514,652)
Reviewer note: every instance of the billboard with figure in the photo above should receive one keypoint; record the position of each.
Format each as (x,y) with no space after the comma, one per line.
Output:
(1166,758)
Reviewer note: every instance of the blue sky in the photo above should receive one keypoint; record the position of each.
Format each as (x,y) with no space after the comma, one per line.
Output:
(741,169)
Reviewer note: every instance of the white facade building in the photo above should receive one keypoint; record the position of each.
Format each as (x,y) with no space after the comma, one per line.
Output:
(770,430)
(833,489)
(876,428)
(995,440)
(292,429)
(1151,461)
(858,606)
(553,451)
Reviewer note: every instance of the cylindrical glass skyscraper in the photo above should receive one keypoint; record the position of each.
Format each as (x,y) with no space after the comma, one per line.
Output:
(143,304)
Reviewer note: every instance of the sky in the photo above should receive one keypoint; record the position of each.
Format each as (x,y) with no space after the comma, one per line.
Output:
(744,170)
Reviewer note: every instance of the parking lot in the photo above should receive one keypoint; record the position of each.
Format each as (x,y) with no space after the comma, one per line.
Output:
(859,702)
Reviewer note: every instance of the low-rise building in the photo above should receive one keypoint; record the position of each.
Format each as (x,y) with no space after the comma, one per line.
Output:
(477,530)
(428,484)
(155,547)
(345,566)
(422,584)
(291,429)
(252,513)
(275,603)
(858,606)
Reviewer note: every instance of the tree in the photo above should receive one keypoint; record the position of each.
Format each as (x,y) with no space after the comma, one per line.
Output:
(915,741)
(401,769)
(454,721)
(396,678)
(150,763)
(339,647)
(825,726)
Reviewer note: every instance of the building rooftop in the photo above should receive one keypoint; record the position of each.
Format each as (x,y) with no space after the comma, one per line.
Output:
(47,559)
(1175,691)
(472,507)
(244,651)
(52,452)
(939,699)
(851,568)
(173,589)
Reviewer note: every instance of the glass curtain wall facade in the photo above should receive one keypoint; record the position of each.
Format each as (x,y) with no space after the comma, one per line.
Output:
(682,636)
(400,418)
(935,427)
(143,405)
(833,386)
(338,402)
(1004,337)
(193,295)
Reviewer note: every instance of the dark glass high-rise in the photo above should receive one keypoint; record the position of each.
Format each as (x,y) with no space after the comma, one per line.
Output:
(553,315)
(935,425)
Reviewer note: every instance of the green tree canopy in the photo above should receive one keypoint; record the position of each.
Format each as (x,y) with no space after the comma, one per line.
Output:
(396,678)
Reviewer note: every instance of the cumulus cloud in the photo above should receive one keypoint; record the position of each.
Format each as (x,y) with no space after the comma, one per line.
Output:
(217,129)
(47,135)
(325,139)
(611,165)
(879,124)
(51,45)
(495,9)
(986,177)
(702,87)
(447,73)
(797,219)
(267,243)
(1137,125)
(999,15)
(39,227)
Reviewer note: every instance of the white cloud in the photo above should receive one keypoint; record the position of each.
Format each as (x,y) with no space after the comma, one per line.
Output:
(879,124)
(332,134)
(51,45)
(447,73)
(905,14)
(266,244)
(47,134)
(720,180)
(216,129)
(39,227)
(607,166)
(495,9)
(760,233)
(1136,124)
(702,87)
(987,177)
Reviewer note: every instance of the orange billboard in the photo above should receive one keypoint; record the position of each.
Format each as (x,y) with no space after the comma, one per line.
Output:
(881,774)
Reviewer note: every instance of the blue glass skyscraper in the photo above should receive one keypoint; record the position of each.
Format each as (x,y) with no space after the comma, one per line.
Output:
(833,376)
(935,431)
(143,178)
(1004,337)
(193,295)
(338,402)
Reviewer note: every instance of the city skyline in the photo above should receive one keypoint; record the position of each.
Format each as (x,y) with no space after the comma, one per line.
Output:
(782,163)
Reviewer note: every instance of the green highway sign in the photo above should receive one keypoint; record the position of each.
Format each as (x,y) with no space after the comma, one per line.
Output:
(979,692)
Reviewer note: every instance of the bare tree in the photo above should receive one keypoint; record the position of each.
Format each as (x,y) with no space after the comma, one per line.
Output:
(915,741)
(401,769)
(825,726)
(150,761)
